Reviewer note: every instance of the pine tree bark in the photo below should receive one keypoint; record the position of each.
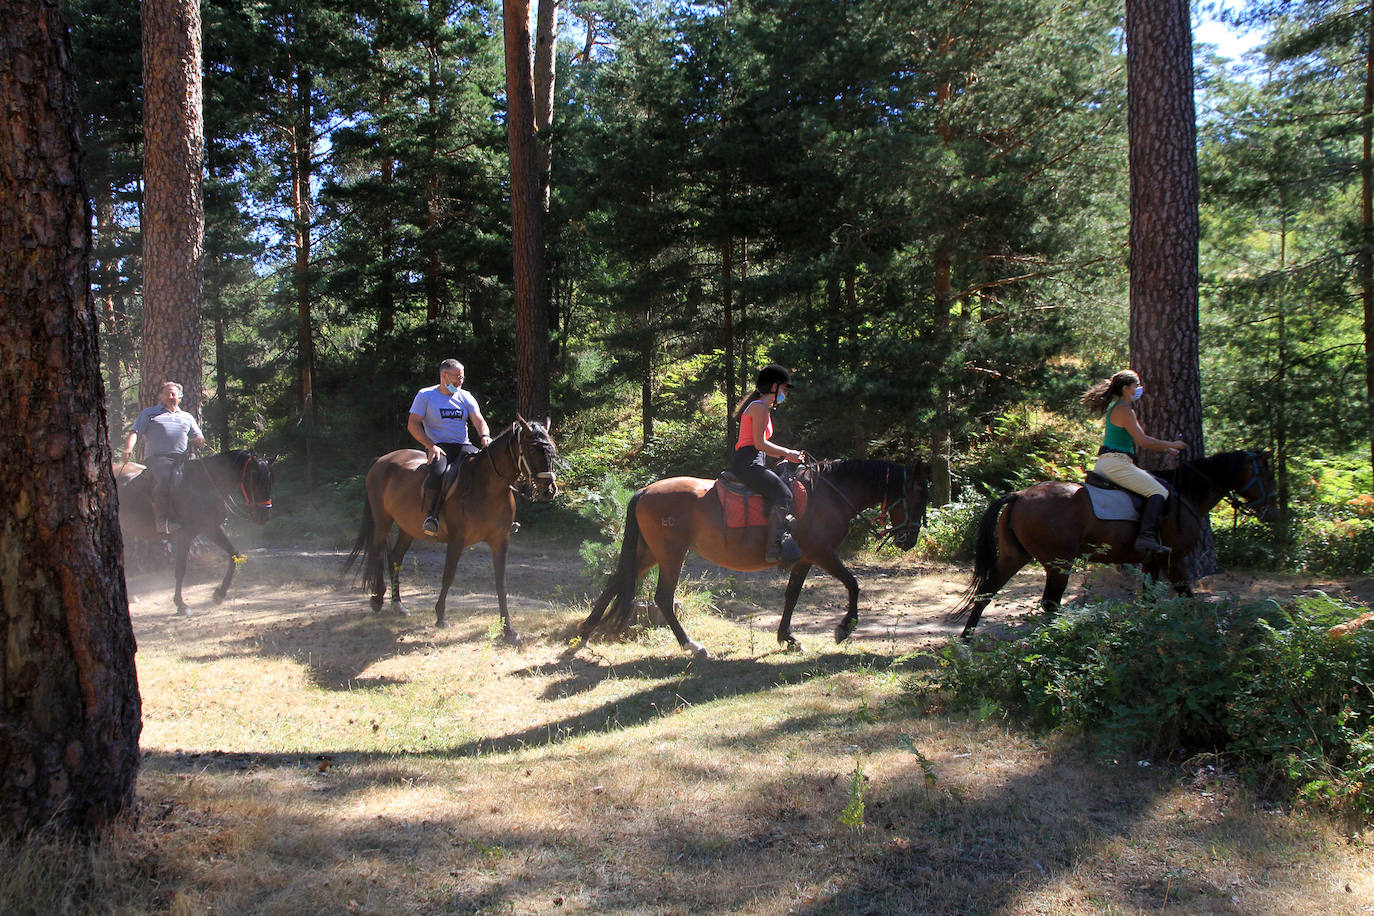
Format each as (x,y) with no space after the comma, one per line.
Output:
(69,705)
(545,76)
(1164,231)
(174,212)
(1367,224)
(527,227)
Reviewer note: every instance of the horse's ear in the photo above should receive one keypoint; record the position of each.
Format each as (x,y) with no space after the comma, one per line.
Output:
(548,423)
(522,421)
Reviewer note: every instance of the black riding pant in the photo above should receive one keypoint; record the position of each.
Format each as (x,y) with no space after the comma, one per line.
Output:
(163,468)
(451,455)
(748,465)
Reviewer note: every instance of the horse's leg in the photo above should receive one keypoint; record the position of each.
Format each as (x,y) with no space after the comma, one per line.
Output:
(1009,563)
(393,565)
(498,571)
(451,558)
(789,602)
(222,540)
(669,571)
(1056,581)
(830,562)
(643,563)
(180,549)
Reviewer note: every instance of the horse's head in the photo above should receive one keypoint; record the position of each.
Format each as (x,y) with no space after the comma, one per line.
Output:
(255,483)
(1254,487)
(536,455)
(908,511)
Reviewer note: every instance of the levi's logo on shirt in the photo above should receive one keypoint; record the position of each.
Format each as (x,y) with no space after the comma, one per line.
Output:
(451,413)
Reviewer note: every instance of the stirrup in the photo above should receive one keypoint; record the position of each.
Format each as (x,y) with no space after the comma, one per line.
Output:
(1145,544)
(789,554)
(431,526)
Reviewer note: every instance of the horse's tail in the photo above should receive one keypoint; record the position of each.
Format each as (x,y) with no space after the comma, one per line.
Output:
(621,613)
(363,547)
(984,555)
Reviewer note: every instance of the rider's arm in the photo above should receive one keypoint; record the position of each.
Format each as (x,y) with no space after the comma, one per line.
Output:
(1124,417)
(129,445)
(479,423)
(416,426)
(758,412)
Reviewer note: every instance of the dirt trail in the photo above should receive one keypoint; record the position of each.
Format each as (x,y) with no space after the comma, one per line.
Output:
(900,600)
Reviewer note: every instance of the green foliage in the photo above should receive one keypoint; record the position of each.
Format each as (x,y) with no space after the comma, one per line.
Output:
(949,532)
(604,506)
(852,816)
(1266,684)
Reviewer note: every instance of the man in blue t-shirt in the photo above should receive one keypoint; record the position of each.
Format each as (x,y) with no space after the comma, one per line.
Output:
(439,418)
(170,433)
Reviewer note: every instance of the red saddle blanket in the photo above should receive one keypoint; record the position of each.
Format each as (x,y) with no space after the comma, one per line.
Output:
(744,511)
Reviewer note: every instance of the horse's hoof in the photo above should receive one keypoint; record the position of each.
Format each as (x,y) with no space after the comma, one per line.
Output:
(399,609)
(377,606)
(219,594)
(789,643)
(183,611)
(843,631)
(698,650)
(440,623)
(513,638)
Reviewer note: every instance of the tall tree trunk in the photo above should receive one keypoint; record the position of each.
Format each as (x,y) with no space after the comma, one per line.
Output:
(728,342)
(69,707)
(433,281)
(302,165)
(174,215)
(111,314)
(545,75)
(1164,231)
(942,430)
(527,228)
(1367,225)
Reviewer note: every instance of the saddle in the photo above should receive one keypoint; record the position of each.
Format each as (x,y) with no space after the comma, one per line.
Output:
(743,508)
(1111,501)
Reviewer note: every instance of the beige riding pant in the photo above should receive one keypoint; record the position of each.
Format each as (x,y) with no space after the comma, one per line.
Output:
(1121,470)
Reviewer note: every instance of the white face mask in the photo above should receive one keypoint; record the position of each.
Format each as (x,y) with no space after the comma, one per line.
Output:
(1138,393)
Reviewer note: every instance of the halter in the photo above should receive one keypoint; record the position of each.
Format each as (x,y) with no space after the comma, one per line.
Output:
(243,487)
(911,521)
(1255,478)
(523,471)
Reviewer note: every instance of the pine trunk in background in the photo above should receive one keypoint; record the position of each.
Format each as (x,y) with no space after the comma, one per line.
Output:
(1162,131)
(545,76)
(527,225)
(69,706)
(302,164)
(1367,225)
(174,210)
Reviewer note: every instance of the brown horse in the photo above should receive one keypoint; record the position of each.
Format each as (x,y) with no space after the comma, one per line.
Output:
(202,497)
(1054,523)
(479,506)
(666,518)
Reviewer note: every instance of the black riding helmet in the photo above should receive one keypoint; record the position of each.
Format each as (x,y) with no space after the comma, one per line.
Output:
(771,375)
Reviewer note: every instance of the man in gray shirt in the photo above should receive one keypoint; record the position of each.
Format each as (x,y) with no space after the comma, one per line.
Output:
(169,432)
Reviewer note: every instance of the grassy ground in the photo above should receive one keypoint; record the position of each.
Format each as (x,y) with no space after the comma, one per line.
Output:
(305,756)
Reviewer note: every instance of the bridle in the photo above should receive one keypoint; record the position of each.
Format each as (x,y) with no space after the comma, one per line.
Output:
(911,522)
(523,471)
(243,486)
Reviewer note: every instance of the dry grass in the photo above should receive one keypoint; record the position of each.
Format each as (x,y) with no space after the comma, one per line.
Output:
(304,756)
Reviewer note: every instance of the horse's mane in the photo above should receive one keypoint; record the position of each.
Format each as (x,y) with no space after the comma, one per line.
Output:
(1195,478)
(871,471)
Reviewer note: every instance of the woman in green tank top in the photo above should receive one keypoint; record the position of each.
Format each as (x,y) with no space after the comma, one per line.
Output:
(1122,435)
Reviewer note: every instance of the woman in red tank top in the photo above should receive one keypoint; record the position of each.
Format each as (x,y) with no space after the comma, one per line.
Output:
(754,446)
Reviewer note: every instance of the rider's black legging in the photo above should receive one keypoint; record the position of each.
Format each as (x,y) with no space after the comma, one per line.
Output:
(451,454)
(747,464)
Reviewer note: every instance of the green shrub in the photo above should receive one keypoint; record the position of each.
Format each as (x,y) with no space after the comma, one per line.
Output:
(1264,684)
(949,531)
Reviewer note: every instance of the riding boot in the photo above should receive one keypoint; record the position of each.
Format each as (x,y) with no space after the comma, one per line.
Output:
(1147,541)
(433,494)
(779,546)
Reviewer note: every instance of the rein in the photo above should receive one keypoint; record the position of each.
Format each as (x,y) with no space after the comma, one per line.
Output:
(243,487)
(886,532)
(1229,492)
(523,471)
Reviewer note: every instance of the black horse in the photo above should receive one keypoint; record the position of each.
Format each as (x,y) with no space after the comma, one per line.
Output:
(1054,523)
(202,497)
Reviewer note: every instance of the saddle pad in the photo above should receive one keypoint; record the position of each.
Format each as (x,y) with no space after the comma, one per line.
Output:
(744,512)
(1114,505)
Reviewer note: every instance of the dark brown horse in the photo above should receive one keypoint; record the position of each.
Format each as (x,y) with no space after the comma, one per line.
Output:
(479,506)
(667,518)
(202,497)
(1054,523)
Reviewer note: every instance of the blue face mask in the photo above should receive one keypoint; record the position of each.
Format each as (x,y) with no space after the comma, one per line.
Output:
(1138,393)
(451,389)
(782,396)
